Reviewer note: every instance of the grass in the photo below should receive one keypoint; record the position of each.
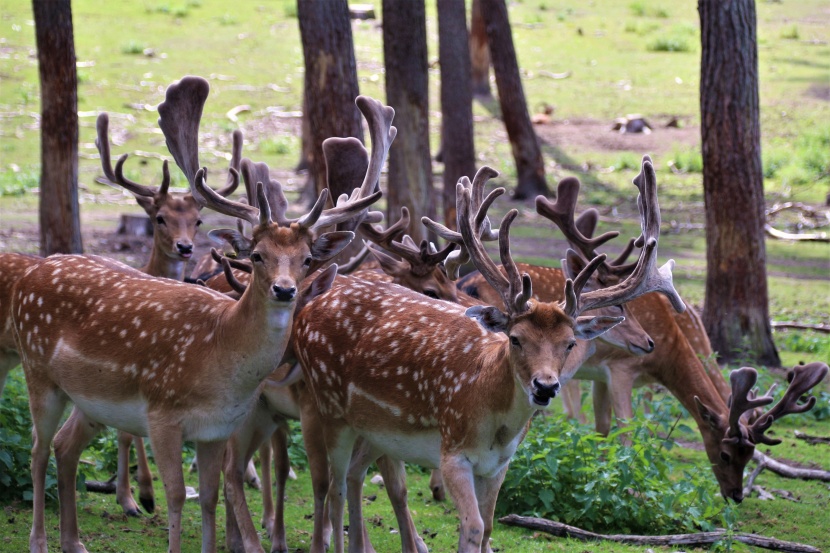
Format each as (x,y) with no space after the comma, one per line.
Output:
(252,56)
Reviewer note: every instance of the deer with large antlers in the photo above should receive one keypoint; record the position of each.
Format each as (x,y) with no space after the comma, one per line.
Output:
(158,357)
(445,391)
(175,218)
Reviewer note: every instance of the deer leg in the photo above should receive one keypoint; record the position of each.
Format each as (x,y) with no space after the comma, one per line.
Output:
(267,487)
(362,456)
(572,401)
(167,447)
(144,475)
(339,443)
(251,477)
(47,406)
(70,441)
(318,465)
(211,457)
(8,360)
(394,477)
(487,491)
(458,481)
(123,493)
(436,484)
(602,407)
(621,391)
(279,444)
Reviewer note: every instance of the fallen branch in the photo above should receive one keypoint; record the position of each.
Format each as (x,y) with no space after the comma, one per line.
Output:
(97,486)
(812,440)
(817,237)
(700,538)
(787,471)
(550,75)
(791,324)
(234,112)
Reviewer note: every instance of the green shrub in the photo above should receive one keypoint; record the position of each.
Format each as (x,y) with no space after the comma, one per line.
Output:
(18,183)
(572,475)
(132,47)
(687,161)
(279,146)
(669,44)
(790,33)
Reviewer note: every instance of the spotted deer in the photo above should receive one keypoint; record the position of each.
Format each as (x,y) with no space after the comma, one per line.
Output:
(157,357)
(451,387)
(175,218)
(12,267)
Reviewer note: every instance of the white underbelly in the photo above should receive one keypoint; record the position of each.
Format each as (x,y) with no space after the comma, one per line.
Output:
(216,424)
(129,415)
(597,373)
(421,448)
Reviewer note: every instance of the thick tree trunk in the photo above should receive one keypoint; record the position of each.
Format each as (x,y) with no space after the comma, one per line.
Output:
(736,312)
(60,224)
(410,166)
(330,79)
(525,145)
(479,52)
(456,101)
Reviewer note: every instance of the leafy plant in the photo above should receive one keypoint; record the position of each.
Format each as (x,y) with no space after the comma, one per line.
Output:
(18,183)
(563,472)
(790,33)
(132,47)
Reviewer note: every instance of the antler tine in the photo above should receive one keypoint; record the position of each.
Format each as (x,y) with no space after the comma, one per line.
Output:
(574,285)
(520,289)
(234,167)
(561,213)
(235,263)
(741,401)
(116,177)
(347,208)
(586,223)
(474,247)
(254,173)
(355,262)
(430,258)
(384,238)
(209,198)
(229,276)
(179,117)
(802,379)
(133,187)
(382,133)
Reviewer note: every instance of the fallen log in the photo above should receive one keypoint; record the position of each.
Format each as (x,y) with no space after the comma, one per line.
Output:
(781,235)
(799,326)
(700,538)
(812,440)
(787,471)
(96,486)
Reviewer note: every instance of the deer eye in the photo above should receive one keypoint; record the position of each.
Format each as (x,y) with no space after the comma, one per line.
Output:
(199,223)
(571,345)
(725,457)
(514,341)
(307,261)
(431,293)
(256,257)
(160,220)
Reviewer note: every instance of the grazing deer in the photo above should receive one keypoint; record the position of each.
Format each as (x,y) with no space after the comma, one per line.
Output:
(175,218)
(158,357)
(443,391)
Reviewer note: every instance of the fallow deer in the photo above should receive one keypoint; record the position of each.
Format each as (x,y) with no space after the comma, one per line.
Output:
(158,357)
(175,218)
(12,267)
(443,390)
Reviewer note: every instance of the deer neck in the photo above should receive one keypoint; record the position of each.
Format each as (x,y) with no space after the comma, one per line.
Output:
(165,266)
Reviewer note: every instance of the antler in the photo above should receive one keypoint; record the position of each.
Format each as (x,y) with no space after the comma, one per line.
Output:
(802,379)
(740,401)
(646,277)
(481,222)
(232,181)
(515,290)
(179,117)
(117,176)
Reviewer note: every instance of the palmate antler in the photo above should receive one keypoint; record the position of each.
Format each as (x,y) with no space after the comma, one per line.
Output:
(802,379)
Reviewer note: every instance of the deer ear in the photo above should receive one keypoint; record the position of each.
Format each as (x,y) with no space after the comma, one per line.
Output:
(240,244)
(709,417)
(491,318)
(588,328)
(330,244)
(148,204)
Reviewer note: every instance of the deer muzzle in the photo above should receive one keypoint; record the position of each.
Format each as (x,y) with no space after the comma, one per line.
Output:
(544,392)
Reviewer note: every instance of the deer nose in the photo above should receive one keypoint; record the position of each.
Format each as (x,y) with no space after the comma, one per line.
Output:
(650,346)
(546,390)
(738,495)
(184,247)
(284,294)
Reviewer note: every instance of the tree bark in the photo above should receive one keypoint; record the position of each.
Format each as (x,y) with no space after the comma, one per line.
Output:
(410,166)
(530,167)
(330,79)
(60,223)
(479,52)
(736,311)
(456,101)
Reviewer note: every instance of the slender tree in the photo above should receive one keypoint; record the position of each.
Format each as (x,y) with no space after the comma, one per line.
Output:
(479,52)
(736,312)
(523,140)
(405,58)
(458,152)
(60,224)
(330,80)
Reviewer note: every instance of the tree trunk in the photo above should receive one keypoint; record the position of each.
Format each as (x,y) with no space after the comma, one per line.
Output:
(456,101)
(60,224)
(736,311)
(479,52)
(330,79)
(405,58)
(530,167)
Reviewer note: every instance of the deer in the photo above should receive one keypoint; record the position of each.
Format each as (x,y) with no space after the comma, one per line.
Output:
(175,218)
(675,363)
(158,357)
(455,387)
